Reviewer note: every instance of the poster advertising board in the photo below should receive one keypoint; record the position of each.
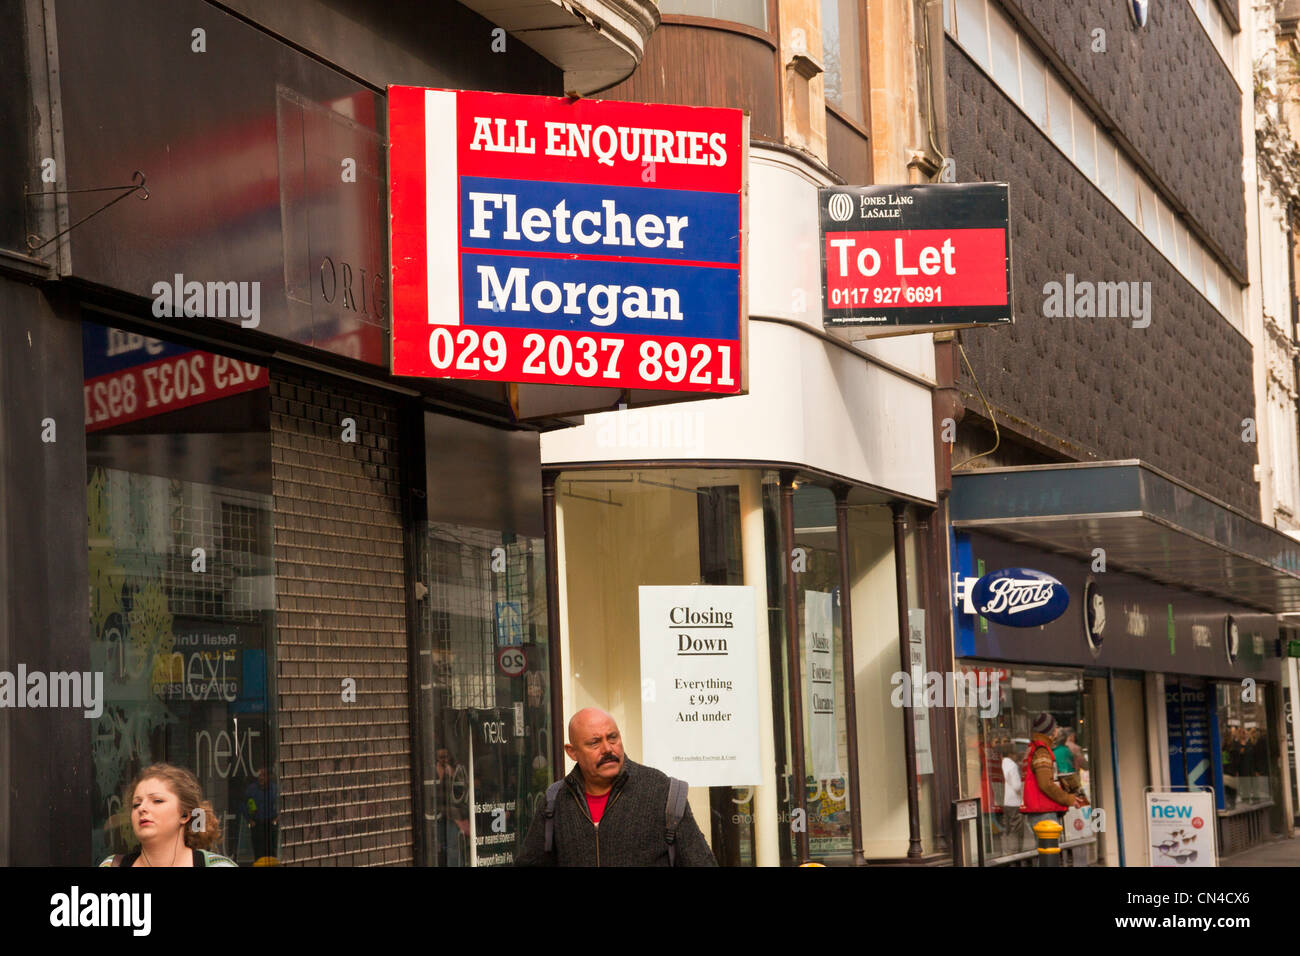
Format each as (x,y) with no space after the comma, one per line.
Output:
(1180,828)
(920,712)
(819,655)
(699,679)
(900,258)
(546,240)
(1187,713)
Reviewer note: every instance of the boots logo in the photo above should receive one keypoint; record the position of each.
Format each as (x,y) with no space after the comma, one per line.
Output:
(1019,597)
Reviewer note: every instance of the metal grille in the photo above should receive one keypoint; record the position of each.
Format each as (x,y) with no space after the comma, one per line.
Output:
(1243,831)
(464,591)
(167,519)
(345,767)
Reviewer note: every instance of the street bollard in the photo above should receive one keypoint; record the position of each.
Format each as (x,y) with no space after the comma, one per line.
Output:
(1049,842)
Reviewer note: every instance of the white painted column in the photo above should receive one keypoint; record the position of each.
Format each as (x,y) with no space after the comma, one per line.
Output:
(561,640)
(754,554)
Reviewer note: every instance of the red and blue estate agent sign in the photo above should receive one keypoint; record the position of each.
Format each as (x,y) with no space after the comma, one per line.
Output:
(546,240)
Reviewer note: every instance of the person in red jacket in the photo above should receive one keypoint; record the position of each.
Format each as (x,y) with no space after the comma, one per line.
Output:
(1044,798)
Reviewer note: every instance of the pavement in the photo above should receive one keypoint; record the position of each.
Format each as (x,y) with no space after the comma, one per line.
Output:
(1283,852)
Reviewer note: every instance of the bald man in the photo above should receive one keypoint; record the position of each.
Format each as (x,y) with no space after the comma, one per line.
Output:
(611,811)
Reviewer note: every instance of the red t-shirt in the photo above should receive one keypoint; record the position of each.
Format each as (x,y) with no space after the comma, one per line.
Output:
(597,806)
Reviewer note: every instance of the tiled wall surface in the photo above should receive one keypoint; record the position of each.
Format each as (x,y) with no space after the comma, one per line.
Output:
(1173,394)
(345,767)
(1169,94)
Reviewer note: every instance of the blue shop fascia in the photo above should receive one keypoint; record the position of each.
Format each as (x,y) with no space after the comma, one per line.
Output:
(1113,596)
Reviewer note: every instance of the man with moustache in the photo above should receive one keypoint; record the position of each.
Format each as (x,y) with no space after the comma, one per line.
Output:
(611,811)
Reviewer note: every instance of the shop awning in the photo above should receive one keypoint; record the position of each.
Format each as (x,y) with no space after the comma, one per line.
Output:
(1148,523)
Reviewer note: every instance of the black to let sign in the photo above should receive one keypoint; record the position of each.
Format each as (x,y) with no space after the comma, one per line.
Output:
(934,256)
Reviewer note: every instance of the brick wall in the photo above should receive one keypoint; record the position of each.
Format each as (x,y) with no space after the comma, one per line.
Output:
(345,768)
(1173,394)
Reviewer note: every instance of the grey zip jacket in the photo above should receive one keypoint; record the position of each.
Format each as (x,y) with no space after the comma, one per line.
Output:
(632,830)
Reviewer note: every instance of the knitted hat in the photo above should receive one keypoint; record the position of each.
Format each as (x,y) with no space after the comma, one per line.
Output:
(1044,723)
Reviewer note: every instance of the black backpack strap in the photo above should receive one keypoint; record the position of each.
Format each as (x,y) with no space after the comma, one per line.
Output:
(673,813)
(552,793)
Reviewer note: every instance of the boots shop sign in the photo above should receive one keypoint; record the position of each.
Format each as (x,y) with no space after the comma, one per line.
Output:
(898,259)
(551,241)
(1016,597)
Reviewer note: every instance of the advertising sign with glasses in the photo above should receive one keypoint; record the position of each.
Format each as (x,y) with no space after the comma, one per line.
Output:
(1180,828)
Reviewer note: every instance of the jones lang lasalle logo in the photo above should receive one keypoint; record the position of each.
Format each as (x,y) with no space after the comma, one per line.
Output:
(685,622)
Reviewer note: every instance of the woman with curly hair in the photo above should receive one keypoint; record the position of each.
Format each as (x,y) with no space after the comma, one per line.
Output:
(172,821)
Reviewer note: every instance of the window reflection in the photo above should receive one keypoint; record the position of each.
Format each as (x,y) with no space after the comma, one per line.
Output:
(484,691)
(820,649)
(995,748)
(651,527)
(842,55)
(181,580)
(1244,746)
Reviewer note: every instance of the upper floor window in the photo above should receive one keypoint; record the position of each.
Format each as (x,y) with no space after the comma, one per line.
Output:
(842,52)
(750,12)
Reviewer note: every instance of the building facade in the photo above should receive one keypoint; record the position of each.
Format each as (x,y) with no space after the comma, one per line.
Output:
(360,607)
(819,488)
(1121,435)
(293,572)
(1274,42)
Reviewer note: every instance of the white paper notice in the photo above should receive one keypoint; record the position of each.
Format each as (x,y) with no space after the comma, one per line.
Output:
(819,637)
(699,684)
(921,713)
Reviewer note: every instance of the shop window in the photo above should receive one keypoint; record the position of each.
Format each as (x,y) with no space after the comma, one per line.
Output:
(993,738)
(181,581)
(484,693)
(482,643)
(622,530)
(1246,746)
(750,12)
(843,56)
(818,615)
